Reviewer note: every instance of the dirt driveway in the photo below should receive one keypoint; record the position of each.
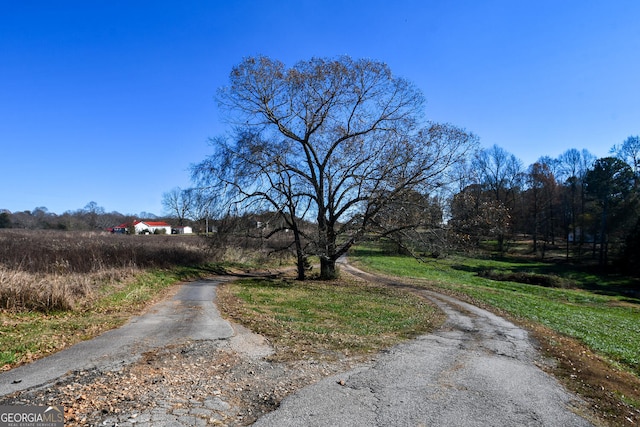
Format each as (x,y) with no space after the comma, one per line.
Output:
(181,364)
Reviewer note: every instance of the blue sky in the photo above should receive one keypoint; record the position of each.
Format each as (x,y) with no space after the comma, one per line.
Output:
(111,101)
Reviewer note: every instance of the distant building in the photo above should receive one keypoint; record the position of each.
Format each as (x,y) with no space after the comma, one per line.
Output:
(143,227)
(182,230)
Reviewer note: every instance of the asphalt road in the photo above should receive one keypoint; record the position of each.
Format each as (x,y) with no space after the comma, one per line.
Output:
(190,315)
(477,370)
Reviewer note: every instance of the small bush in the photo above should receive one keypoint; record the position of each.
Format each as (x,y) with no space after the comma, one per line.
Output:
(546,280)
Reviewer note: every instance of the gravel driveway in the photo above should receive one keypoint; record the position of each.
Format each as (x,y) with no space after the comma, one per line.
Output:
(182,365)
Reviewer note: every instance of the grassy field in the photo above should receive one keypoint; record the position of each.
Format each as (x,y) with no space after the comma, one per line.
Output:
(327,319)
(599,311)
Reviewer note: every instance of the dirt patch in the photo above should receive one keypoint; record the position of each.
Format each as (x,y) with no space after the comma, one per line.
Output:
(195,383)
(612,394)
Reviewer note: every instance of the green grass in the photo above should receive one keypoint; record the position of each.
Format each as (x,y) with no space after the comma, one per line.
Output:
(316,317)
(600,316)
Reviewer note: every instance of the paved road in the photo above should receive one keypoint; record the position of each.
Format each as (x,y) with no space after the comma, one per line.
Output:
(477,370)
(190,315)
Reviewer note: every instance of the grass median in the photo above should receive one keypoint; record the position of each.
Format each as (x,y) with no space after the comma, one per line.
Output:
(316,319)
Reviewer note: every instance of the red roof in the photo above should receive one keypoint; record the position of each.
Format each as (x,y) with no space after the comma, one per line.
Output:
(156,223)
(149,223)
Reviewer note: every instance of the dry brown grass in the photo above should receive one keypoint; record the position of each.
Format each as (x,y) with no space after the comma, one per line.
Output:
(53,270)
(21,290)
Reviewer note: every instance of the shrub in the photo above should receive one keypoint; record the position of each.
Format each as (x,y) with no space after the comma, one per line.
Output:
(546,280)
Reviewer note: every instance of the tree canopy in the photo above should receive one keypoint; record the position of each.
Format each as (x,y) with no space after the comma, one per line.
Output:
(333,141)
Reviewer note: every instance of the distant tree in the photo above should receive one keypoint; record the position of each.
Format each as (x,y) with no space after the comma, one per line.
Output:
(542,194)
(179,203)
(412,221)
(475,215)
(5,220)
(609,183)
(333,140)
(93,212)
(573,167)
(41,218)
(147,215)
(203,208)
(501,173)
(629,152)
(535,182)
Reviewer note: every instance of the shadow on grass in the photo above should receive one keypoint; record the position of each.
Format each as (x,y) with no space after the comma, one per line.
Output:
(529,271)
(559,275)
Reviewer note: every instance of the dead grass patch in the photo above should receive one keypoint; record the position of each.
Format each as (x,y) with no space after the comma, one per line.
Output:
(47,292)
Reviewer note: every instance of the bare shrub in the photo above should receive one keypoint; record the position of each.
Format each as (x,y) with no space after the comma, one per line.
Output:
(546,280)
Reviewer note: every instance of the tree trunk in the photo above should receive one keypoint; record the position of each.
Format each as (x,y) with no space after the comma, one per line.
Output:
(300,255)
(328,269)
(501,243)
(301,267)
(603,235)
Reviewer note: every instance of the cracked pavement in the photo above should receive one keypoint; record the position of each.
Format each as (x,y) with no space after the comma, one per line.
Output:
(181,364)
(477,370)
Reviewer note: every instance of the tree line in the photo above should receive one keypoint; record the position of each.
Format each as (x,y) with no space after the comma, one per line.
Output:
(587,204)
(90,218)
(333,151)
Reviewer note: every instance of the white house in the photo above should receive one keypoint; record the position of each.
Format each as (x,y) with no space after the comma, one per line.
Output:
(182,230)
(152,227)
(147,227)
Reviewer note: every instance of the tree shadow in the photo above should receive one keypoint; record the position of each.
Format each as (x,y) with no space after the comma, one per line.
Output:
(560,275)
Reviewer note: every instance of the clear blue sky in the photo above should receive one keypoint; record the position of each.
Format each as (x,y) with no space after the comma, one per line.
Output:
(111,101)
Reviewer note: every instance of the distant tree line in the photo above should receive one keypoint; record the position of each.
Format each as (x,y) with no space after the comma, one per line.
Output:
(90,218)
(588,205)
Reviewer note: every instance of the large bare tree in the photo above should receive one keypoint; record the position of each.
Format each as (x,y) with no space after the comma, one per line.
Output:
(332,141)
